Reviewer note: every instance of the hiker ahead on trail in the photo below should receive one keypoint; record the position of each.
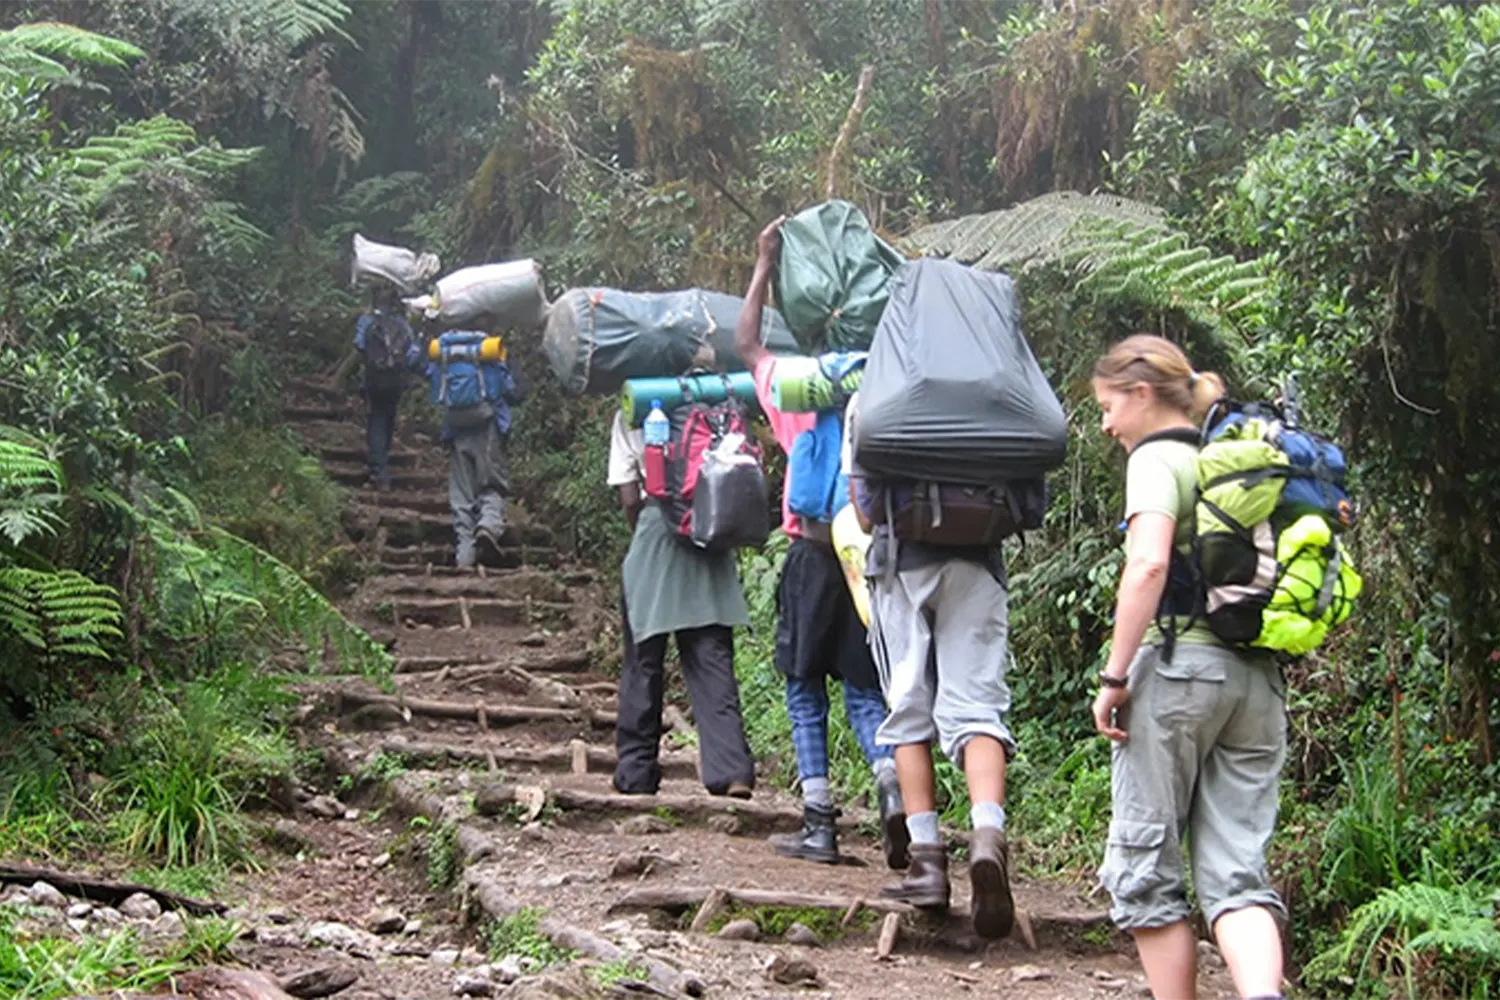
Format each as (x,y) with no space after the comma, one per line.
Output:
(1202,745)
(818,634)
(475,388)
(949,437)
(384,338)
(671,587)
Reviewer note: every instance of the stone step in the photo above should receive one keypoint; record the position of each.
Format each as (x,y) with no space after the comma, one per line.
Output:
(446,612)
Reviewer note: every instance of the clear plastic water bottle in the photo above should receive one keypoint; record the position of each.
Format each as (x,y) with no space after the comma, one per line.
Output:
(656,431)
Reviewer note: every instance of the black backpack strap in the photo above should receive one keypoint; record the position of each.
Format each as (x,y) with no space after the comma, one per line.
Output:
(1180,434)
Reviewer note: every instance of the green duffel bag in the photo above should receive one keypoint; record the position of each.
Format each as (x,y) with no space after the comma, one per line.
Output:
(834,277)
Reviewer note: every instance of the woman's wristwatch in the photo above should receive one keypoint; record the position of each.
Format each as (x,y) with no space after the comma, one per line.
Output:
(1105,680)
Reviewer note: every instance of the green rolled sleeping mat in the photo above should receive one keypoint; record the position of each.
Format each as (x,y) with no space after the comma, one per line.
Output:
(710,387)
(806,385)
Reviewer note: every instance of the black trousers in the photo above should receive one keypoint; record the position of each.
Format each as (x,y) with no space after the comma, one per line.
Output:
(380,430)
(707,656)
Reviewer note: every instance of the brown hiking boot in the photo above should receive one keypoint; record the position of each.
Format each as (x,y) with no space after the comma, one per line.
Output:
(989,875)
(926,881)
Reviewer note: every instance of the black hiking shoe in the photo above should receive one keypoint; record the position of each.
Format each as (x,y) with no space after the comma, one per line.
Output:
(487,543)
(893,833)
(818,841)
(989,875)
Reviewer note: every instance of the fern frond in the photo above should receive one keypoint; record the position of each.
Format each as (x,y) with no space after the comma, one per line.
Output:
(1120,249)
(34,50)
(299,21)
(60,612)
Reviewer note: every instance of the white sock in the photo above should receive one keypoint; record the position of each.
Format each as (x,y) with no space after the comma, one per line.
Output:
(923,828)
(815,792)
(987,814)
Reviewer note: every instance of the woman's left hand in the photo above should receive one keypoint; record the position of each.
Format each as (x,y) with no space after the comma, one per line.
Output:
(1106,704)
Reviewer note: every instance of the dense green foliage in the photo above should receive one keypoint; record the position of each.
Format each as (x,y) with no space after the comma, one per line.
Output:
(1311,186)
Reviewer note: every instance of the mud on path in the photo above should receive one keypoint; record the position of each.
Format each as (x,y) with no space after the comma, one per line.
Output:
(498,731)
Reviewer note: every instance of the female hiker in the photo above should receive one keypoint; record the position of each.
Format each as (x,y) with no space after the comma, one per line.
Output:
(1199,728)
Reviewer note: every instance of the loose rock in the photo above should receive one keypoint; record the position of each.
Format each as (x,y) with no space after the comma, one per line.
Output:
(77,925)
(80,910)
(508,969)
(46,894)
(740,930)
(411,927)
(380,860)
(1209,956)
(320,981)
(341,936)
(644,825)
(444,956)
(386,920)
(325,807)
(470,984)
(140,907)
(169,925)
(1029,973)
(280,917)
(725,823)
(791,971)
(803,935)
(107,915)
(277,937)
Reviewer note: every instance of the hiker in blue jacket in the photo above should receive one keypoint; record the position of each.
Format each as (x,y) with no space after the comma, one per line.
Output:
(384,338)
(479,477)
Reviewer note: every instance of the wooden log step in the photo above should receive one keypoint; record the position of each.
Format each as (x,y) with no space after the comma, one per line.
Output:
(516,584)
(680,898)
(565,691)
(411,527)
(443,612)
(347,700)
(354,474)
(569,661)
(753,817)
(598,760)
(400,458)
(439,559)
(296,413)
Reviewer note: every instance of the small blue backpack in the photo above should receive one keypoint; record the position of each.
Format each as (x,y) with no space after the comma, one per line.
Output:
(460,384)
(817,487)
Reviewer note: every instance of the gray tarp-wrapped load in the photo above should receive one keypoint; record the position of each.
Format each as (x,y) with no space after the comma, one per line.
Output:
(508,296)
(405,269)
(952,392)
(596,338)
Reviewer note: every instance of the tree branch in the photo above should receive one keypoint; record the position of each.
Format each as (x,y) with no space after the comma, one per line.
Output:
(850,126)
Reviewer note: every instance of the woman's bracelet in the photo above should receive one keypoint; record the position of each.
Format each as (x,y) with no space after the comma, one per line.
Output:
(1111,682)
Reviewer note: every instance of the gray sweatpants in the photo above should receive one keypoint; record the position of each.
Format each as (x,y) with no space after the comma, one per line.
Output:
(1207,738)
(477,486)
(939,634)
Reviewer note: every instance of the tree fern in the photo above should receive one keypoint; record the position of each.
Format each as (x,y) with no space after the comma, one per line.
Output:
(35,50)
(1121,249)
(1432,937)
(106,163)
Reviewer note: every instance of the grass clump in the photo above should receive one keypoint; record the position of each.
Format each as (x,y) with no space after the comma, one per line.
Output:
(775,921)
(518,934)
(609,973)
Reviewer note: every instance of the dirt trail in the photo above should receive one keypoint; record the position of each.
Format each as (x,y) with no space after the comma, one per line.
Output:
(501,725)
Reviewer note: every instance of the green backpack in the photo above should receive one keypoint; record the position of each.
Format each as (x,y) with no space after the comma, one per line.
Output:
(1268,569)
